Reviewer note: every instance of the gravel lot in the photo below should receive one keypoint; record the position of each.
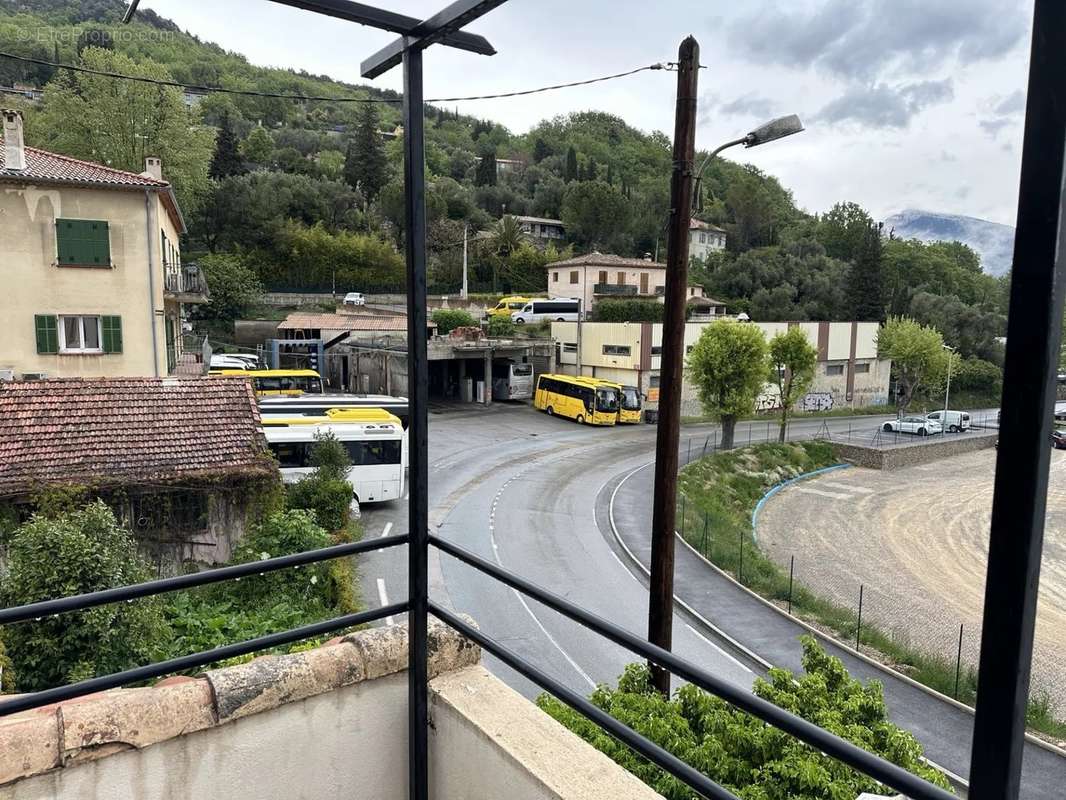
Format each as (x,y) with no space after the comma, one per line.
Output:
(917,540)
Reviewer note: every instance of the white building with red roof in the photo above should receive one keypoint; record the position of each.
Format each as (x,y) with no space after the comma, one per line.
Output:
(94,281)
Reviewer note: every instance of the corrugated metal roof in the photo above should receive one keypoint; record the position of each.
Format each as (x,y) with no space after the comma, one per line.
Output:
(344,322)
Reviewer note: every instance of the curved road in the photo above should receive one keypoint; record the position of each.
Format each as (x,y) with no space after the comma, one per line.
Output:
(533,494)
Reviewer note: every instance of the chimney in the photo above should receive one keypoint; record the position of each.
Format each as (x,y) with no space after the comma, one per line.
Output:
(153,168)
(647,256)
(14,148)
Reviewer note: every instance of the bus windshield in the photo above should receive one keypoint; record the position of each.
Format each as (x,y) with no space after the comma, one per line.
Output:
(630,399)
(606,400)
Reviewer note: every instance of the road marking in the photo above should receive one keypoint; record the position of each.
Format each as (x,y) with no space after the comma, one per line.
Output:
(820,493)
(384,598)
(388,527)
(703,638)
(847,488)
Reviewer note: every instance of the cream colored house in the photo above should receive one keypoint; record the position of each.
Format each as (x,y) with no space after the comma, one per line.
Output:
(847,373)
(94,282)
(704,239)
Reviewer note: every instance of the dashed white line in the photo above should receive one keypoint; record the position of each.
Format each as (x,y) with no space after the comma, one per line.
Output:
(704,639)
(388,527)
(820,493)
(383,596)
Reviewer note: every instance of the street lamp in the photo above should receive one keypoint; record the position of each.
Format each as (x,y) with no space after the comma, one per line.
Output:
(947,389)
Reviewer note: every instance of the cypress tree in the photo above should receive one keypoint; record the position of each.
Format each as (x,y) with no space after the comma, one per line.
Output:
(865,286)
(486,170)
(540,150)
(365,167)
(571,165)
(227,159)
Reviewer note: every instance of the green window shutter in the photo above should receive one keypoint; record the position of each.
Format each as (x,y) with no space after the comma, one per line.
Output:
(47,333)
(83,243)
(112,334)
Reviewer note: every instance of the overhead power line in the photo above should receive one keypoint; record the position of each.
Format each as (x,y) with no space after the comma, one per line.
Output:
(319,98)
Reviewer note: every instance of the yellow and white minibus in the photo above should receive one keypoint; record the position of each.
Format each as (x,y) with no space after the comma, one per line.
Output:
(587,400)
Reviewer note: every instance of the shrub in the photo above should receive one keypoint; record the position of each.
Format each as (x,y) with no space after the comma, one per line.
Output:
(448,319)
(979,376)
(284,533)
(71,553)
(501,327)
(752,759)
(329,499)
(329,457)
(234,286)
(629,311)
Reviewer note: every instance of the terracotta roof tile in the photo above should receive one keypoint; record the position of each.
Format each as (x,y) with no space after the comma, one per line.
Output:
(607,260)
(125,430)
(45,166)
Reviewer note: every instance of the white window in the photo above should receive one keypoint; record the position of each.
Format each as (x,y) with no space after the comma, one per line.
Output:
(834,369)
(569,347)
(616,350)
(79,335)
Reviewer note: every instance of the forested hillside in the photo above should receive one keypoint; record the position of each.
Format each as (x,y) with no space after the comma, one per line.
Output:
(307,192)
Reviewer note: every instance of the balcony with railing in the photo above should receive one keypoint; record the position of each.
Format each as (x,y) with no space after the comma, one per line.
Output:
(185,283)
(614,289)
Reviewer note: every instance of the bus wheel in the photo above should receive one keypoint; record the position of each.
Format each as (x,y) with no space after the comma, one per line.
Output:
(580,420)
(551,411)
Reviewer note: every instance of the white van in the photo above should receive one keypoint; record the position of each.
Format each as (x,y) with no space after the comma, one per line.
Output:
(951,421)
(557,309)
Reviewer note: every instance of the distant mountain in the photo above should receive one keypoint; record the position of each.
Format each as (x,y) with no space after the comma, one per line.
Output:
(992,241)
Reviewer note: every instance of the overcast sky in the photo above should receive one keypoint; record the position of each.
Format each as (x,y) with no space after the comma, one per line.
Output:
(907,103)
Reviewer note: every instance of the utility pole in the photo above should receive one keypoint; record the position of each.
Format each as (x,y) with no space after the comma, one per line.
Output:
(664,502)
(464,293)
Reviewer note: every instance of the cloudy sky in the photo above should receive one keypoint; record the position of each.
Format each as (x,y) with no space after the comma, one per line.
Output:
(907,103)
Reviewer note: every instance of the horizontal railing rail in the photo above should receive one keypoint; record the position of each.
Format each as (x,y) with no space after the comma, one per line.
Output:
(854,756)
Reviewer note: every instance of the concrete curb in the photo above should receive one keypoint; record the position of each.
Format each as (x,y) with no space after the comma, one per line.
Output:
(774,490)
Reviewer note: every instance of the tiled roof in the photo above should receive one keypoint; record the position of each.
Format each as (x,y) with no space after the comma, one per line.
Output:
(42,165)
(607,260)
(126,431)
(699,225)
(344,322)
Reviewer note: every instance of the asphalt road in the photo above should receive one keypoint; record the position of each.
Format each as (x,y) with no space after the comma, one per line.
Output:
(532,493)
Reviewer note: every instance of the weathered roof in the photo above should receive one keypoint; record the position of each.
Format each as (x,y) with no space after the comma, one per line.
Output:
(700,225)
(43,166)
(344,322)
(541,220)
(126,431)
(606,260)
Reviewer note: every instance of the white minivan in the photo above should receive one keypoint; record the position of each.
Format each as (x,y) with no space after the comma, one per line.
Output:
(557,309)
(951,421)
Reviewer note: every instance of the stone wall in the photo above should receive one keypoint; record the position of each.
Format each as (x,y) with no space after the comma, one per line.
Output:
(921,451)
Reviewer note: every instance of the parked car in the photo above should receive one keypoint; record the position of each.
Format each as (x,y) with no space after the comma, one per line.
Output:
(1058,439)
(921,426)
(956,421)
(354,299)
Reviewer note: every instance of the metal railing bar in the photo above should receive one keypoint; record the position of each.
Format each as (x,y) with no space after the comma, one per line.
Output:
(116,679)
(78,602)
(645,747)
(854,756)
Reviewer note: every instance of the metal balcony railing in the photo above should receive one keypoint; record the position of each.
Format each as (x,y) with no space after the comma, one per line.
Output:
(187,279)
(614,288)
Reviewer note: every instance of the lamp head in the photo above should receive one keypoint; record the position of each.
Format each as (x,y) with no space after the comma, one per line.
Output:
(774,129)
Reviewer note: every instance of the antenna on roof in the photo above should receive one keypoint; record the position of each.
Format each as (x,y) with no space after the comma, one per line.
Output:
(130,11)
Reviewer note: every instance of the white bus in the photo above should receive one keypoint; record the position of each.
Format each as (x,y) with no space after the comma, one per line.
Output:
(317,405)
(511,381)
(373,438)
(558,309)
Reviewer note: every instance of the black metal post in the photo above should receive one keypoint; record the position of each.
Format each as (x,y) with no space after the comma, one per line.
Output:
(791,573)
(682,516)
(1032,356)
(958,663)
(858,626)
(740,569)
(664,501)
(414,173)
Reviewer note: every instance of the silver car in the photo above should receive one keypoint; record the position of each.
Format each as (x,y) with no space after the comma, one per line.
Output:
(920,426)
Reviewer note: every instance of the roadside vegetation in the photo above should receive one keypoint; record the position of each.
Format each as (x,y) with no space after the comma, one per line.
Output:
(716,497)
(749,758)
(71,546)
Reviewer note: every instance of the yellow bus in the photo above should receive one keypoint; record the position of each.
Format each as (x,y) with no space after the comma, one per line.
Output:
(629,405)
(587,400)
(273,382)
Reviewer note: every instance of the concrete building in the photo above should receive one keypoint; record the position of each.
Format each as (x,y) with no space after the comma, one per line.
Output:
(704,239)
(541,230)
(848,371)
(94,281)
(329,327)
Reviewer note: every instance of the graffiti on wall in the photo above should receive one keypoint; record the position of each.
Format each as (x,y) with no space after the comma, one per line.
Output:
(816,401)
(768,400)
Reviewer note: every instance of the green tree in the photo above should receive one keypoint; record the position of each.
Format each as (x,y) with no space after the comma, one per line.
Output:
(120,123)
(628,310)
(365,165)
(728,366)
(792,361)
(227,158)
(486,169)
(72,553)
(540,150)
(865,288)
(917,354)
(258,147)
(571,165)
(596,216)
(448,319)
(233,285)
(844,230)
(749,758)
(94,37)
(506,235)
(326,491)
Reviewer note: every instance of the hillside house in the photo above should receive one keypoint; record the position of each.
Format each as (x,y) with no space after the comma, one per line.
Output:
(704,239)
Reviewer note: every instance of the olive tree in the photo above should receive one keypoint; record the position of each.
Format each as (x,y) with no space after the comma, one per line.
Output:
(792,360)
(917,353)
(728,365)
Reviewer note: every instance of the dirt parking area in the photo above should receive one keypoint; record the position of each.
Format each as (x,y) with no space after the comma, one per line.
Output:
(916,539)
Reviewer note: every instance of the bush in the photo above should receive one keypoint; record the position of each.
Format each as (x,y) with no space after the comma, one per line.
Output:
(747,756)
(281,534)
(329,457)
(978,376)
(448,319)
(629,311)
(329,499)
(234,287)
(501,327)
(72,553)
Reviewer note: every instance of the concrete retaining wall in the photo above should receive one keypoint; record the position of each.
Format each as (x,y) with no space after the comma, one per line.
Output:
(919,452)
